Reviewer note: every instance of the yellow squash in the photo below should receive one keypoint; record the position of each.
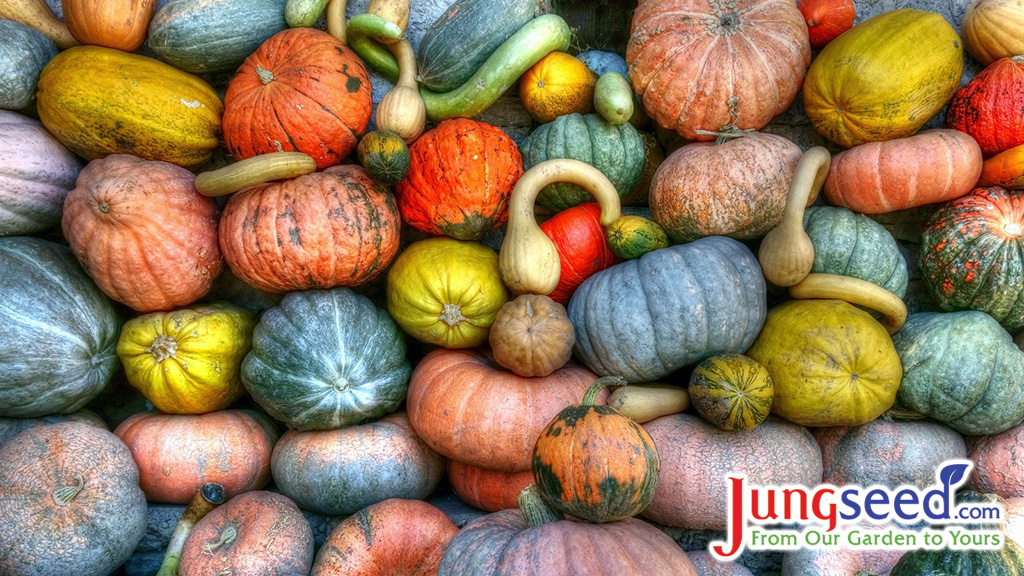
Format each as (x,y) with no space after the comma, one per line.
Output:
(884,78)
(187,361)
(99,101)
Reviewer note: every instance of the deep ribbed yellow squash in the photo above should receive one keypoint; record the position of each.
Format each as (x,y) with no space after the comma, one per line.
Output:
(187,361)
(884,78)
(446,292)
(99,101)
(831,363)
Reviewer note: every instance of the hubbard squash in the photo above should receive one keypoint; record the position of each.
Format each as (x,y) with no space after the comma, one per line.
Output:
(990,108)
(24,51)
(120,24)
(992,30)
(580,239)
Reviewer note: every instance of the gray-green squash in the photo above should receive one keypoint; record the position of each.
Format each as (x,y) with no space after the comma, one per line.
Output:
(23,53)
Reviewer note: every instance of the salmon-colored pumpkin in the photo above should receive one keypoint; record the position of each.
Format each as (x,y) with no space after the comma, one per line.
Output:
(725,64)
(997,462)
(120,24)
(302,90)
(582,249)
(177,454)
(395,537)
(556,85)
(333,228)
(926,168)
(991,106)
(489,490)
(993,29)
(143,233)
(1005,169)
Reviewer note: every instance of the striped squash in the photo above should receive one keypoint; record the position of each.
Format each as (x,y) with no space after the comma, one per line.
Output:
(731,391)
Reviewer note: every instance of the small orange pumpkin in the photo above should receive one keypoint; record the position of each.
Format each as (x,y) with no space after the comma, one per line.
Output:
(556,85)
(486,489)
(532,336)
(120,24)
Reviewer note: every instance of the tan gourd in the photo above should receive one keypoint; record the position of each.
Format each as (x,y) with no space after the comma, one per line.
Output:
(252,171)
(855,291)
(37,14)
(336,19)
(787,254)
(394,11)
(645,402)
(401,110)
(528,261)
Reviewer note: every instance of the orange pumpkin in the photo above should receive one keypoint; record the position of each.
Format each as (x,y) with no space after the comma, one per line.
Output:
(333,228)
(120,24)
(1005,169)
(991,106)
(143,233)
(532,335)
(737,64)
(302,90)
(558,84)
(489,490)
(993,29)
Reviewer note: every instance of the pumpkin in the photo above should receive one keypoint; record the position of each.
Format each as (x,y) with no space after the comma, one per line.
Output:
(36,173)
(970,256)
(884,79)
(646,318)
(213,36)
(188,361)
(534,541)
(340,471)
(177,454)
(531,336)
(831,363)
(142,232)
(489,490)
(396,537)
(731,391)
(617,151)
(310,72)
(633,236)
(121,24)
(446,292)
(326,359)
(826,19)
(460,177)
(735,189)
(1005,169)
(69,496)
(829,560)
(926,168)
(595,464)
(989,107)
(579,239)
(99,101)
(257,533)
(991,30)
(654,155)
(385,156)
(738,64)
(24,51)
(332,228)
(57,349)
(558,84)
(1009,561)
(696,456)
(469,409)
(707,565)
(995,460)
(11,427)
(962,369)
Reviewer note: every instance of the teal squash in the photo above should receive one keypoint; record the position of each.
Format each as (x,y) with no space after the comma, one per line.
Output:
(962,369)
(617,151)
(57,347)
(325,359)
(601,61)
(945,562)
(851,244)
(646,318)
(213,36)
(23,53)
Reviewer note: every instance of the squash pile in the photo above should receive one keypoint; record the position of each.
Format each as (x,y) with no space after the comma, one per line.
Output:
(318,271)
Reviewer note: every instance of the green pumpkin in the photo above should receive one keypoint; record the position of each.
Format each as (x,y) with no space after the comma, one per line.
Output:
(851,244)
(962,369)
(617,151)
(385,156)
(23,53)
(944,562)
(325,359)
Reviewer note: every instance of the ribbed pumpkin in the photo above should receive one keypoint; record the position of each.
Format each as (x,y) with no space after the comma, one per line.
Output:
(69,500)
(460,177)
(143,233)
(332,228)
(731,391)
(995,457)
(99,101)
(992,30)
(558,84)
(582,249)
(654,155)
(120,24)
(385,156)
(36,173)
(727,64)
(188,361)
(176,454)
(326,359)
(532,335)
(826,19)
(834,560)
(880,177)
(11,427)
(24,51)
(617,151)
(854,245)
(321,83)
(736,189)
(340,471)
(1007,561)
(991,106)
(486,489)
(972,254)
(57,347)
(885,78)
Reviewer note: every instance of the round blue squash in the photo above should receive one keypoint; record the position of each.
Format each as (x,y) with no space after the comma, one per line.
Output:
(23,53)
(326,359)
(851,244)
(601,61)
(644,319)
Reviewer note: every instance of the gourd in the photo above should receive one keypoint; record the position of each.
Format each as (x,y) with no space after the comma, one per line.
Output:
(401,110)
(304,13)
(631,237)
(24,51)
(120,24)
(731,391)
(532,336)
(253,171)
(36,14)
(613,98)
(385,156)
(208,497)
(646,401)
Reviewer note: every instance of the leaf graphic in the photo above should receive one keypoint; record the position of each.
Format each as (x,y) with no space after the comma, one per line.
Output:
(952,474)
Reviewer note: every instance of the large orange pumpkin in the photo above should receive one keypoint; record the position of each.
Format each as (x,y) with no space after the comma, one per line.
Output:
(301,90)
(703,66)
(332,228)
(143,233)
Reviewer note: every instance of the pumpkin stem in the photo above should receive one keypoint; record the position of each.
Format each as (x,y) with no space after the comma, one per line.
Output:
(163,347)
(591,396)
(65,494)
(209,496)
(534,509)
(227,536)
(451,314)
(1019,59)
(265,76)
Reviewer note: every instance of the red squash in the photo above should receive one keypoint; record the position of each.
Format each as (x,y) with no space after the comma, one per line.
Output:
(991,106)
(582,249)
(301,90)
(826,19)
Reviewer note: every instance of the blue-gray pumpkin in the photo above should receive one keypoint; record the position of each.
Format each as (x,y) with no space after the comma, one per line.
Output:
(23,53)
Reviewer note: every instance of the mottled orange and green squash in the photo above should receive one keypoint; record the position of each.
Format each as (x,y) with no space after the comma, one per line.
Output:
(593,463)
(385,156)
(732,391)
(631,237)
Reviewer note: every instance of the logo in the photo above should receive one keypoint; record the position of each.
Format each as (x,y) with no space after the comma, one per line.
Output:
(829,516)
